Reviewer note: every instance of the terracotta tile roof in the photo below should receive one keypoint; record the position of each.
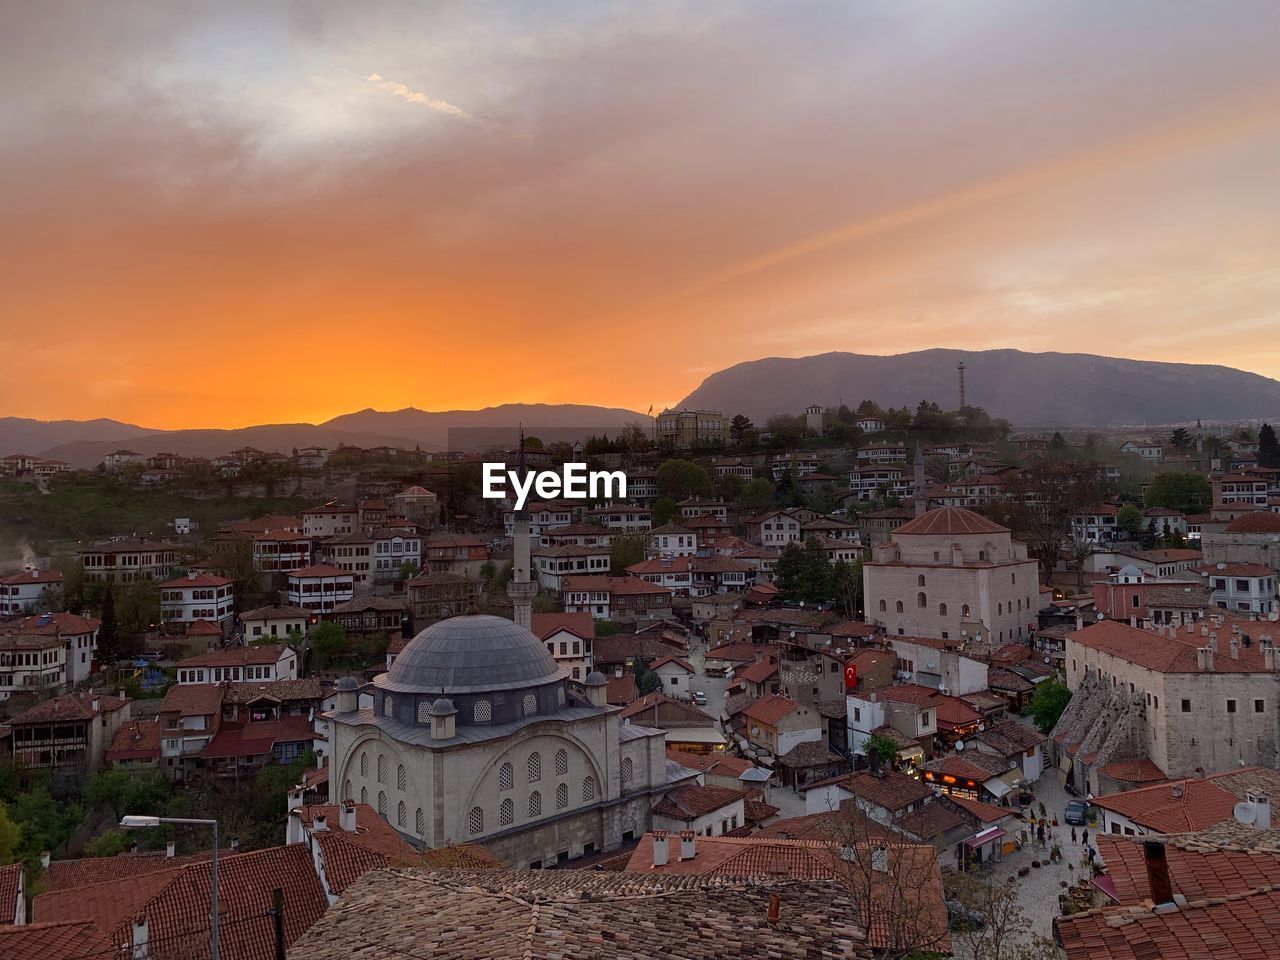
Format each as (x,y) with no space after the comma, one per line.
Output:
(70,706)
(909,693)
(1008,737)
(1256,521)
(370,602)
(90,871)
(264,655)
(680,662)
(809,753)
(616,586)
(812,826)
(10,877)
(462,856)
(758,672)
(757,811)
(931,820)
(1201,804)
(949,521)
(179,913)
(984,812)
(889,789)
(201,579)
(193,700)
(581,625)
(71,940)
(276,613)
(971,766)
(739,652)
(619,691)
(111,902)
(715,764)
(33,576)
(257,738)
(1240,927)
(690,803)
(601,914)
(1165,653)
(135,740)
(51,625)
(1234,569)
(319,570)
(1138,770)
(1196,874)
(203,628)
(771,709)
(306,688)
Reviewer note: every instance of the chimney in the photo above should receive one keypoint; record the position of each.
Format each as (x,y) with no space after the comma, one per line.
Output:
(1213,641)
(687,849)
(1269,657)
(775,909)
(347,816)
(1262,810)
(921,501)
(139,936)
(295,798)
(44,859)
(170,849)
(1157,871)
(660,851)
(293,827)
(1176,791)
(235,845)
(319,824)
(191,574)
(95,704)
(1204,658)
(1235,649)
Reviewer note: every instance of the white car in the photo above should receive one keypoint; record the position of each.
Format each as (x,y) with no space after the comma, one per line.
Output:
(699,698)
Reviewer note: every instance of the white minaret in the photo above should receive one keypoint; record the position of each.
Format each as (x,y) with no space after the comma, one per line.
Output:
(522,588)
(922,502)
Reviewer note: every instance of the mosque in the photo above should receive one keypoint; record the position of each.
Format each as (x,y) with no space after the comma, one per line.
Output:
(477,735)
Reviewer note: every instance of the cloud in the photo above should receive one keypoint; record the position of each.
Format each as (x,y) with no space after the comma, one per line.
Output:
(417,96)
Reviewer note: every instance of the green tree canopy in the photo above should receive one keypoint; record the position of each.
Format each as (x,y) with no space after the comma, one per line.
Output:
(1184,492)
(108,646)
(756,497)
(1048,702)
(10,836)
(788,572)
(664,511)
(328,643)
(884,749)
(1268,447)
(679,479)
(1129,519)
(624,551)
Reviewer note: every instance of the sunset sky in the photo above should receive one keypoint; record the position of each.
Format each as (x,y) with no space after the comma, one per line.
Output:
(219,214)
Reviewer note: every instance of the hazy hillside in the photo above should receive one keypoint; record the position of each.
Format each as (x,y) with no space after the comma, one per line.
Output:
(23,435)
(1073,389)
(477,429)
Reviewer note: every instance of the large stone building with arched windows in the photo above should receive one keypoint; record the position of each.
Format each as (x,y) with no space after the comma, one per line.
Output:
(954,574)
(475,734)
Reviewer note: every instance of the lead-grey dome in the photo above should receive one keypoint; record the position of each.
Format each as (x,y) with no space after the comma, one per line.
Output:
(471,654)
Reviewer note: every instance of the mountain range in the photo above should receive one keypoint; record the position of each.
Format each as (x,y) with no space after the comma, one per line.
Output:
(1027,389)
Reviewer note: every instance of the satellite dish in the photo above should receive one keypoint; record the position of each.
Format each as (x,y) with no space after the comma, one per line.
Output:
(1101,616)
(1245,812)
(1013,764)
(981,727)
(959,745)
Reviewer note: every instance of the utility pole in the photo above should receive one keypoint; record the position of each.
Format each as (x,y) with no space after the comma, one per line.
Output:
(960,368)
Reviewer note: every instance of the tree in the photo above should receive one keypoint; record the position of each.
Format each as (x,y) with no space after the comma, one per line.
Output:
(816,572)
(1268,447)
(756,497)
(1184,492)
(1042,502)
(1180,439)
(109,844)
(789,571)
(1005,931)
(882,748)
(328,642)
(625,550)
(664,511)
(646,680)
(633,438)
(1047,703)
(739,426)
(45,824)
(108,646)
(111,788)
(679,479)
(10,836)
(729,487)
(846,588)
(1129,519)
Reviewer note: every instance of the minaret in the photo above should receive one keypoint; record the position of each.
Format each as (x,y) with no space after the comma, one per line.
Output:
(522,588)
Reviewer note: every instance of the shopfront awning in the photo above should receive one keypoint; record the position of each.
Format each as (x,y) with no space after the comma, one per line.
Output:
(996,787)
(985,837)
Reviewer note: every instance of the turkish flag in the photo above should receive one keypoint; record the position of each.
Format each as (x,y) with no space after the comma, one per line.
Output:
(850,676)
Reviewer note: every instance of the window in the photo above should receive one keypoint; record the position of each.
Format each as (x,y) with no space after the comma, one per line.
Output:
(364,794)
(1231,706)
(424,711)
(506,813)
(382,804)
(387,710)
(562,762)
(562,796)
(535,804)
(883,606)
(382,769)
(1259,706)
(898,606)
(1186,706)
(482,711)
(535,767)
(364,764)
(921,600)
(506,776)
(530,704)
(964,611)
(346,789)
(942,609)
(402,814)
(627,769)
(401,779)
(588,789)
(420,822)
(920,580)
(475,821)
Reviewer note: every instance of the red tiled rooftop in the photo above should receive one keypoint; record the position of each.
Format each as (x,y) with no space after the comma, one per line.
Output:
(949,521)
(66,940)
(579,624)
(771,709)
(1172,807)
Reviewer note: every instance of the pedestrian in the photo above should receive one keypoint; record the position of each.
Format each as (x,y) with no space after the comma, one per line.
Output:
(1084,836)
(1091,856)
(1073,834)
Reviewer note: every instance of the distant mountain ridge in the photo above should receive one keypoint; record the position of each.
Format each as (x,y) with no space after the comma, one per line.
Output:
(85,443)
(1027,389)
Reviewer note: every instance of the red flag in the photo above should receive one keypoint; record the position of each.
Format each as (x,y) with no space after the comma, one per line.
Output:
(850,676)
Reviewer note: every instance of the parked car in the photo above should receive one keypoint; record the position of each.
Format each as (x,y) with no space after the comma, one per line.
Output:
(700,698)
(961,917)
(1075,814)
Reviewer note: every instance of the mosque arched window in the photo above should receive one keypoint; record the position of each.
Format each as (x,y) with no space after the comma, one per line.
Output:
(588,789)
(921,600)
(530,704)
(364,764)
(506,813)
(475,821)
(382,768)
(560,696)
(535,767)
(402,781)
(387,709)
(562,762)
(562,796)
(920,580)
(364,794)
(898,606)
(535,804)
(628,769)
(424,711)
(942,609)
(382,803)
(883,606)
(482,711)
(346,790)
(402,814)
(964,611)
(506,776)
(420,822)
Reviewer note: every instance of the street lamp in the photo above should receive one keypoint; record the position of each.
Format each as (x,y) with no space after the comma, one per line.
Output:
(145,823)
